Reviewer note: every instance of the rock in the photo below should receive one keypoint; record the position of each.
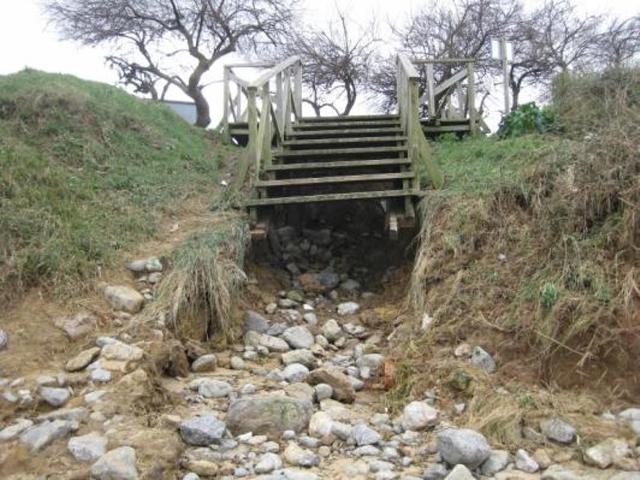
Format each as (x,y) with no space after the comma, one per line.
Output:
(497,461)
(348,308)
(607,452)
(295,372)
(626,476)
(56,397)
(123,298)
(87,448)
(331,330)
(363,435)
(210,388)
(288,474)
(350,285)
(151,264)
(12,431)
(237,363)
(418,416)
(557,430)
(303,356)
(322,391)
(78,325)
(298,337)
(4,339)
(320,426)
(463,350)
(460,472)
(121,351)
(558,472)
(268,462)
(300,457)
(40,436)
(274,344)
(371,361)
(204,363)
(329,280)
(525,463)
(191,476)
(482,360)
(311,318)
(342,430)
(69,414)
(435,472)
(343,390)
(268,414)
(118,464)
(254,322)
(202,430)
(463,446)
(100,375)
(82,360)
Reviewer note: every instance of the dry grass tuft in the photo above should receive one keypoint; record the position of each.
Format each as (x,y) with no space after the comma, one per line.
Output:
(198,295)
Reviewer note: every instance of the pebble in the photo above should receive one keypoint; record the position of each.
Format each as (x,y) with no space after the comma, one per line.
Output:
(322,391)
(311,318)
(82,360)
(298,337)
(497,461)
(525,463)
(210,388)
(237,363)
(268,462)
(481,359)
(87,448)
(204,363)
(364,435)
(56,397)
(117,464)
(202,431)
(418,416)
(295,372)
(331,330)
(123,298)
(460,472)
(558,430)
(100,375)
(255,322)
(4,339)
(607,452)
(348,308)
(463,446)
(301,457)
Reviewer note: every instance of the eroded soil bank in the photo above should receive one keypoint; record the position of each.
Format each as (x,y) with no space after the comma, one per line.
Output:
(314,387)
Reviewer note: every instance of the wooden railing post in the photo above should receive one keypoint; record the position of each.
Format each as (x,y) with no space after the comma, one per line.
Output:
(252,112)
(431,98)
(471,96)
(298,89)
(279,101)
(265,129)
(226,134)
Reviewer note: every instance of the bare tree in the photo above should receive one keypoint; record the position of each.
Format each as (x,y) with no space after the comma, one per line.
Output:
(336,61)
(458,29)
(163,39)
(619,43)
(552,38)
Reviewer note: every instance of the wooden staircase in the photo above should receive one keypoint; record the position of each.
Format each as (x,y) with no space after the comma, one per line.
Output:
(332,159)
(300,160)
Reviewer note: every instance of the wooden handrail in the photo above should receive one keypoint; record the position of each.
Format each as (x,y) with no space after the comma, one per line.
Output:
(267,125)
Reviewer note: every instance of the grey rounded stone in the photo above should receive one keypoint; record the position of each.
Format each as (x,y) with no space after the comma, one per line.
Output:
(205,363)
(481,359)
(56,397)
(202,431)
(87,448)
(296,372)
(463,446)
(298,337)
(322,391)
(118,464)
(558,430)
(364,435)
(268,414)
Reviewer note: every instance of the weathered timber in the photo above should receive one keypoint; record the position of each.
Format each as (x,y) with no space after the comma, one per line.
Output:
(372,177)
(331,197)
(338,151)
(339,164)
(346,132)
(320,141)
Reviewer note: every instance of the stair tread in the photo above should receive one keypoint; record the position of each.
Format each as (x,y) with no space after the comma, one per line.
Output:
(358,123)
(345,131)
(350,118)
(331,197)
(371,177)
(339,164)
(336,151)
(320,141)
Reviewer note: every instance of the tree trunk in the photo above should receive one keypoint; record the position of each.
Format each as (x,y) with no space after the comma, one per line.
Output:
(203,116)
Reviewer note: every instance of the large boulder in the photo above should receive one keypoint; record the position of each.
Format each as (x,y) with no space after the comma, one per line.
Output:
(268,414)
(463,446)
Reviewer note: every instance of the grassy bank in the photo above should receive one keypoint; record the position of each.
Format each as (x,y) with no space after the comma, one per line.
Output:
(531,252)
(86,171)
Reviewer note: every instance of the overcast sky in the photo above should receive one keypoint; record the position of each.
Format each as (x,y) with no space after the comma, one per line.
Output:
(27,41)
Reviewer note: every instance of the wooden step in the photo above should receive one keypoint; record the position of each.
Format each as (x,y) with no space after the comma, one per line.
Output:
(321,141)
(332,197)
(346,131)
(350,118)
(339,164)
(334,125)
(338,151)
(446,128)
(373,177)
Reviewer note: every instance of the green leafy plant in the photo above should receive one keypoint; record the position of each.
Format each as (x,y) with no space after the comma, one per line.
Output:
(527,118)
(549,295)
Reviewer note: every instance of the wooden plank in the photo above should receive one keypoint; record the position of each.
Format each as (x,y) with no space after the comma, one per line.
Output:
(331,197)
(431,99)
(226,98)
(339,151)
(272,72)
(449,82)
(446,128)
(320,141)
(471,96)
(340,164)
(420,61)
(371,177)
(367,123)
(350,118)
(408,67)
(347,131)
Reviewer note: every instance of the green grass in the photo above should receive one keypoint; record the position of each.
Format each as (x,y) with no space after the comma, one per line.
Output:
(86,171)
(478,166)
